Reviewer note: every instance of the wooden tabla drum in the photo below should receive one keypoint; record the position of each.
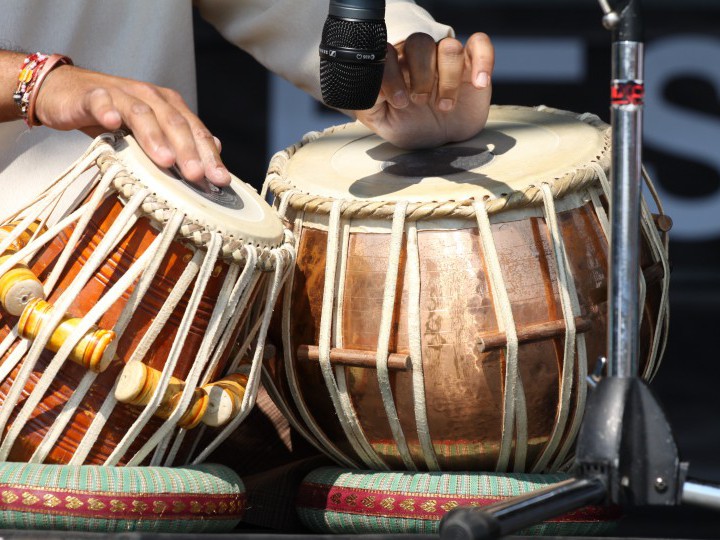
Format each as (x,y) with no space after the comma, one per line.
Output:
(447,304)
(126,319)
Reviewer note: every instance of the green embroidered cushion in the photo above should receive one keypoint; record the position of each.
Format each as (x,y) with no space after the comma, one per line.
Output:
(203,498)
(333,500)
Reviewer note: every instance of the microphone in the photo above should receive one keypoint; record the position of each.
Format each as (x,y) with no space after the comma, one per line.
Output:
(352,53)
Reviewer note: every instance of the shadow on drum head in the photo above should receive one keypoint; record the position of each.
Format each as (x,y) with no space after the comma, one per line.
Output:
(458,163)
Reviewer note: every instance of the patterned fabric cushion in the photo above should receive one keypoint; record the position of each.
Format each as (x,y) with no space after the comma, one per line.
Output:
(205,498)
(333,500)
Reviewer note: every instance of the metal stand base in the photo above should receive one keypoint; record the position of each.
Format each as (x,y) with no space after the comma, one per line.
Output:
(626,456)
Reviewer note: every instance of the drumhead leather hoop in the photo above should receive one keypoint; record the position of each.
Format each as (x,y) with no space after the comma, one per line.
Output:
(447,302)
(236,211)
(518,151)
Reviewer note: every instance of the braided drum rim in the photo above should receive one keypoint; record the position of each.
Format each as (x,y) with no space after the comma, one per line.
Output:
(192,231)
(278,182)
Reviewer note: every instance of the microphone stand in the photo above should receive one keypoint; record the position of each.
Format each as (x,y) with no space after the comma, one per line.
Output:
(626,453)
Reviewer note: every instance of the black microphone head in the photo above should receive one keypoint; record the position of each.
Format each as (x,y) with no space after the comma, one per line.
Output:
(352,61)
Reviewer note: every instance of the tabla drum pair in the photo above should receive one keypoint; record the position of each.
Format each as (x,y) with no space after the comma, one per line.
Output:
(134,317)
(447,304)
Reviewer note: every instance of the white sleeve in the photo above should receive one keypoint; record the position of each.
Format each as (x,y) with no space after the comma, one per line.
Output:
(284,35)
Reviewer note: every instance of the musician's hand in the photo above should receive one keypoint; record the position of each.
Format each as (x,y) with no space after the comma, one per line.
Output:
(433,93)
(160,120)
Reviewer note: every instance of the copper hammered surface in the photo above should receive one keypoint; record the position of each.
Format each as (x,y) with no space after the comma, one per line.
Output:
(463,386)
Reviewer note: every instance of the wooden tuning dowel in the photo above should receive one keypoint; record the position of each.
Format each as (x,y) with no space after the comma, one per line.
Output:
(354,358)
(19,284)
(88,352)
(214,404)
(663,222)
(533,333)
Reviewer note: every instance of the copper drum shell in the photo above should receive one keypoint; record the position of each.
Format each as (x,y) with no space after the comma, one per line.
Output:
(463,378)
(463,386)
(136,241)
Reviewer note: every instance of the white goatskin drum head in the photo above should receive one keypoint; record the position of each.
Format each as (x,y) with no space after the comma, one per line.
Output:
(518,148)
(236,210)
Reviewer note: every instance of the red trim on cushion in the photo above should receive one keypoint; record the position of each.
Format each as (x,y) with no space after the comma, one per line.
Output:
(392,504)
(117,506)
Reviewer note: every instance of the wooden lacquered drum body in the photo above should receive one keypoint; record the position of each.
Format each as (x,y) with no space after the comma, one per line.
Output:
(447,304)
(164,276)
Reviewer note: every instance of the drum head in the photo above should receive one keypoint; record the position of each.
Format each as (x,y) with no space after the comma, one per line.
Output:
(236,210)
(519,148)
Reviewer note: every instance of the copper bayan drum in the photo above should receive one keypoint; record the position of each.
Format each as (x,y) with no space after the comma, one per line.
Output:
(125,318)
(447,303)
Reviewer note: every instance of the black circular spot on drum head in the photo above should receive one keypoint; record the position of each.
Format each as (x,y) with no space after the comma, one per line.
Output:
(443,161)
(226,196)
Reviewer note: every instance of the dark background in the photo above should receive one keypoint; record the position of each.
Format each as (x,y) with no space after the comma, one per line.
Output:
(255,114)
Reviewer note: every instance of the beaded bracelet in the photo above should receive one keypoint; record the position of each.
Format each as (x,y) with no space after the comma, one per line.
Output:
(32,73)
(26,81)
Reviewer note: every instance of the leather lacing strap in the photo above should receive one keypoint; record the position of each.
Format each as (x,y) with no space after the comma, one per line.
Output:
(163,242)
(659,253)
(336,339)
(284,260)
(514,410)
(386,323)
(237,309)
(416,357)
(159,439)
(290,368)
(574,343)
(346,415)
(80,392)
(289,415)
(660,249)
(47,199)
(118,228)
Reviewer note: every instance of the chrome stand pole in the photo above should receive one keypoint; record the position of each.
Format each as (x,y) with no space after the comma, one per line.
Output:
(626,179)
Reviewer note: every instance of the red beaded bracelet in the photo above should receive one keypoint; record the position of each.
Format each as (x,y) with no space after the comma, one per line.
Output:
(32,73)
(26,80)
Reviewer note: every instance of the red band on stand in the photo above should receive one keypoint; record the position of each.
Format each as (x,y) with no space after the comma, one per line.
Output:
(627,93)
